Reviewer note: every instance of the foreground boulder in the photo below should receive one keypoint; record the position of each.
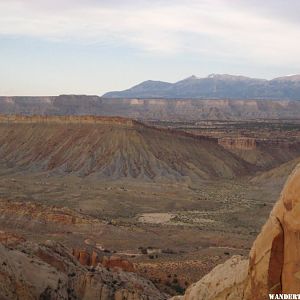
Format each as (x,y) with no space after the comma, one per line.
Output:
(225,281)
(274,262)
(274,265)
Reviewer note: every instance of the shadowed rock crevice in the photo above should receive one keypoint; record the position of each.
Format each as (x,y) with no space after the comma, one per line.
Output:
(276,263)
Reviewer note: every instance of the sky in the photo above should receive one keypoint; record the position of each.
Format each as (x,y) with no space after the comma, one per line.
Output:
(52,47)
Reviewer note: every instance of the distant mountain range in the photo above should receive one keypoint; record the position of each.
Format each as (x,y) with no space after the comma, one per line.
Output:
(216,86)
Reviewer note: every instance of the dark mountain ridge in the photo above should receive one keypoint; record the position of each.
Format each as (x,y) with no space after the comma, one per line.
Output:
(216,86)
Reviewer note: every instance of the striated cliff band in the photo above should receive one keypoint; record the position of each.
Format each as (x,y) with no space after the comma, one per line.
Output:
(273,265)
(153,108)
(264,153)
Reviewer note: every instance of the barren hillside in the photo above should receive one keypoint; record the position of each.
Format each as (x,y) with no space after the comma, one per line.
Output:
(111,148)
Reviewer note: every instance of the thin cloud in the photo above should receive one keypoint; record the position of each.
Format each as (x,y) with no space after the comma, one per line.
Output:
(212,28)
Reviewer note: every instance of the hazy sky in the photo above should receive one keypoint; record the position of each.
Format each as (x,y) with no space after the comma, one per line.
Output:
(50,47)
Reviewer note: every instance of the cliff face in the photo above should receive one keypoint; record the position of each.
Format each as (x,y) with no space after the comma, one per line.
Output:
(263,153)
(274,262)
(158,108)
(87,119)
(226,281)
(275,258)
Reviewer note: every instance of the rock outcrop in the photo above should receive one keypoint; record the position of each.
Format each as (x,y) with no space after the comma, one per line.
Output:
(29,211)
(274,262)
(226,281)
(93,257)
(265,153)
(240,143)
(10,239)
(72,119)
(274,265)
(117,263)
(49,271)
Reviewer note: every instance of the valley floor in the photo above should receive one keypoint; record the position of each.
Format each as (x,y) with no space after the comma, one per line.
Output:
(185,229)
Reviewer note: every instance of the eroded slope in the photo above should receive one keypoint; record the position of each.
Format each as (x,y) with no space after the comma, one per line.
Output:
(111,148)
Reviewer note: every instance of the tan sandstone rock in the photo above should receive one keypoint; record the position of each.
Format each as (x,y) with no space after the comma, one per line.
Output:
(225,281)
(274,265)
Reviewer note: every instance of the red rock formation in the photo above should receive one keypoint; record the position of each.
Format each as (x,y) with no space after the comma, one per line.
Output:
(92,258)
(10,239)
(48,214)
(95,259)
(116,262)
(84,258)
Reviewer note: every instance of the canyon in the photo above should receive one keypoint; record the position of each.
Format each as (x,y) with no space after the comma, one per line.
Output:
(125,177)
(71,270)
(119,208)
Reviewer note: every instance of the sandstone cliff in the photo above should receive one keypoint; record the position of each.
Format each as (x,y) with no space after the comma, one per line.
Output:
(263,153)
(274,262)
(274,257)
